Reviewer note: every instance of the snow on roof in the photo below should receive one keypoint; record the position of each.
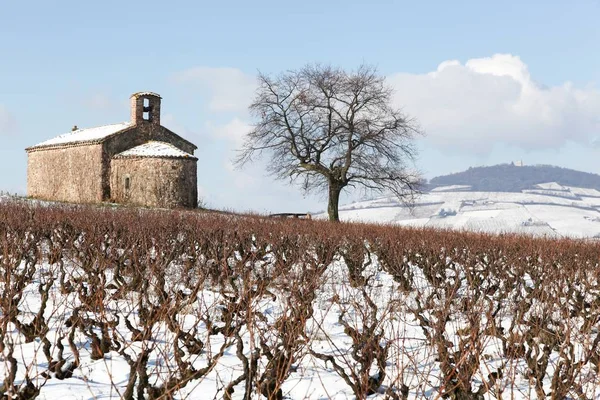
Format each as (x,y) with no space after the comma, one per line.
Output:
(155,149)
(85,135)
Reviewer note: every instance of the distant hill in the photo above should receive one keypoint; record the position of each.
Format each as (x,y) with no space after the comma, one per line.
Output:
(511,178)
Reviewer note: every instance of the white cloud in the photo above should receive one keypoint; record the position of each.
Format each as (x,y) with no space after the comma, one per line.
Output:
(8,123)
(501,65)
(467,106)
(234,131)
(230,89)
(495,99)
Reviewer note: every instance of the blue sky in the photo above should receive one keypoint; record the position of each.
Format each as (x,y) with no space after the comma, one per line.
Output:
(489,82)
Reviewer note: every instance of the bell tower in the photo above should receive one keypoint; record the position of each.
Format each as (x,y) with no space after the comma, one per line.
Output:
(145,108)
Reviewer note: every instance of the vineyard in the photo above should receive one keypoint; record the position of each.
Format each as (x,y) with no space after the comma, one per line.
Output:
(143,304)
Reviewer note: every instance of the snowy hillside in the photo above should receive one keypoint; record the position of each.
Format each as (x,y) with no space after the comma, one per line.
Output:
(548,209)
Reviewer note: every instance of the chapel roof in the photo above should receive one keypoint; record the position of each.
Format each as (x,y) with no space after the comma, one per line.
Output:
(79,136)
(155,149)
(99,134)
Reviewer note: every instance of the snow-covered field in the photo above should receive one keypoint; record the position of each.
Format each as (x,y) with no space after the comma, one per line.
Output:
(548,210)
(113,305)
(107,377)
(408,338)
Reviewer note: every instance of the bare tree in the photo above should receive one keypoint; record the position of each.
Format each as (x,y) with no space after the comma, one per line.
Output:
(334,130)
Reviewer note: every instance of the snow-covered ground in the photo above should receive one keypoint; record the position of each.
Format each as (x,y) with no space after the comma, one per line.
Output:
(548,210)
(77,328)
(382,305)
(411,359)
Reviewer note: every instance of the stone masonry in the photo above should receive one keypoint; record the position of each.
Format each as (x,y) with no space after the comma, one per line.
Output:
(147,178)
(78,166)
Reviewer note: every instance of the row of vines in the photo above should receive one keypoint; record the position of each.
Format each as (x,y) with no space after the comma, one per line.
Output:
(142,304)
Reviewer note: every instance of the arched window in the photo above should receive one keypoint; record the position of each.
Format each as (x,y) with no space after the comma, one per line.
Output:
(127,183)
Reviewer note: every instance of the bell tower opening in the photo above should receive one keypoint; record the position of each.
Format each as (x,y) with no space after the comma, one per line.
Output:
(145,108)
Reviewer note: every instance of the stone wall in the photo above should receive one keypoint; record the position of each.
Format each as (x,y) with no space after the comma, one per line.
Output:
(71,174)
(154,182)
(133,137)
(115,145)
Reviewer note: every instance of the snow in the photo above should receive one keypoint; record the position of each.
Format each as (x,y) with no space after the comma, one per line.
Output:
(571,222)
(411,359)
(85,135)
(155,149)
(569,212)
(584,192)
(551,186)
(547,192)
(451,188)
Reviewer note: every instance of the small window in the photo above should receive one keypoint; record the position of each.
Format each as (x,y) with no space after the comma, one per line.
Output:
(127,183)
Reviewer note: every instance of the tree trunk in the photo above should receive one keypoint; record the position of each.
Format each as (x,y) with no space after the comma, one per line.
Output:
(334,200)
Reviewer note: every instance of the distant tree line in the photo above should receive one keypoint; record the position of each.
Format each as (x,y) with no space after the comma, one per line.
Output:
(511,178)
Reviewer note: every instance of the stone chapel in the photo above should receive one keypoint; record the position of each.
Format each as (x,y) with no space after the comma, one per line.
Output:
(139,162)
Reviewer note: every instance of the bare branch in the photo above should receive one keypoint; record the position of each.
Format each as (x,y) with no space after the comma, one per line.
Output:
(334,130)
